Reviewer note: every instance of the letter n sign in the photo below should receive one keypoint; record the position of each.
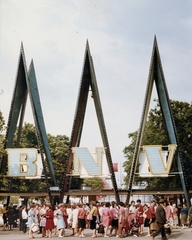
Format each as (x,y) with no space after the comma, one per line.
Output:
(22,162)
(84,164)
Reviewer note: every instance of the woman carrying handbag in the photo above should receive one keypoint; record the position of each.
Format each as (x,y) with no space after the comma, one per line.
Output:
(31,219)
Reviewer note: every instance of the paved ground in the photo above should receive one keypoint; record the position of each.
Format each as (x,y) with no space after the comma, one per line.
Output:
(179,234)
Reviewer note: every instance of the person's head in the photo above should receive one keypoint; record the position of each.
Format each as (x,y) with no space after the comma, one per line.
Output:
(107,204)
(65,205)
(139,201)
(153,202)
(145,206)
(49,206)
(132,203)
(93,203)
(60,205)
(103,204)
(32,205)
(161,201)
(73,206)
(114,204)
(121,204)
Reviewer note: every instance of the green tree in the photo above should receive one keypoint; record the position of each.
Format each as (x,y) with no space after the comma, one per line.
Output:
(59,149)
(28,136)
(3,180)
(95,183)
(155,133)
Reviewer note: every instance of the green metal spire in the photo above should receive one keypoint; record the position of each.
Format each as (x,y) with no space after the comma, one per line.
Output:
(156,75)
(88,80)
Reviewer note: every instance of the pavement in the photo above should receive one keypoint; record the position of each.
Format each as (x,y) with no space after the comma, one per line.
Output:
(179,234)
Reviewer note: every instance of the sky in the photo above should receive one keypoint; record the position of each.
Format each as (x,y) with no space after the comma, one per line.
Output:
(120,35)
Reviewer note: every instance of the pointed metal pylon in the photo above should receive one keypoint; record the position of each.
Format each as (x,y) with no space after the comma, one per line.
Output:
(88,79)
(25,84)
(156,75)
(39,120)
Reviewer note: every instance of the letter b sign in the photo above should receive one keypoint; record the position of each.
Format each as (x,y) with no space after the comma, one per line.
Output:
(22,162)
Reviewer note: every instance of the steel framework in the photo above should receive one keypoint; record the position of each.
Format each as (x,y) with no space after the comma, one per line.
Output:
(156,75)
(25,85)
(88,80)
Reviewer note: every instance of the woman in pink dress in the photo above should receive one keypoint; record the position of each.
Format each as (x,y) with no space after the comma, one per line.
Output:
(141,218)
(121,219)
(106,217)
(135,222)
(167,210)
(127,228)
(131,211)
(114,224)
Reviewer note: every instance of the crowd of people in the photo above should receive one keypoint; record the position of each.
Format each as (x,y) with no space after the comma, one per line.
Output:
(109,219)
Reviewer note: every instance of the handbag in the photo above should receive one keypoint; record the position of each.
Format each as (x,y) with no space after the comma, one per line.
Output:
(35,227)
(97,226)
(89,216)
(101,229)
(154,226)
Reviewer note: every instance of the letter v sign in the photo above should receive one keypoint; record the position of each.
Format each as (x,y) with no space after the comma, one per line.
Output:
(157,164)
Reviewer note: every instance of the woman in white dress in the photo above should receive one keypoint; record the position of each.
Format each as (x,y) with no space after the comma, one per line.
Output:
(55,219)
(75,220)
(69,219)
(24,219)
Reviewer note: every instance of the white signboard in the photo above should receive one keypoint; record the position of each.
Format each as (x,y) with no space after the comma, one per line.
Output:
(156,162)
(87,165)
(24,162)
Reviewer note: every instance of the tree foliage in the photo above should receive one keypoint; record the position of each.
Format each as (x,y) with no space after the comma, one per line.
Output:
(3,180)
(95,183)
(59,149)
(155,134)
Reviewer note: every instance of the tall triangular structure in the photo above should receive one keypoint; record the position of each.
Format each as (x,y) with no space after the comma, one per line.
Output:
(156,75)
(39,121)
(25,85)
(88,80)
